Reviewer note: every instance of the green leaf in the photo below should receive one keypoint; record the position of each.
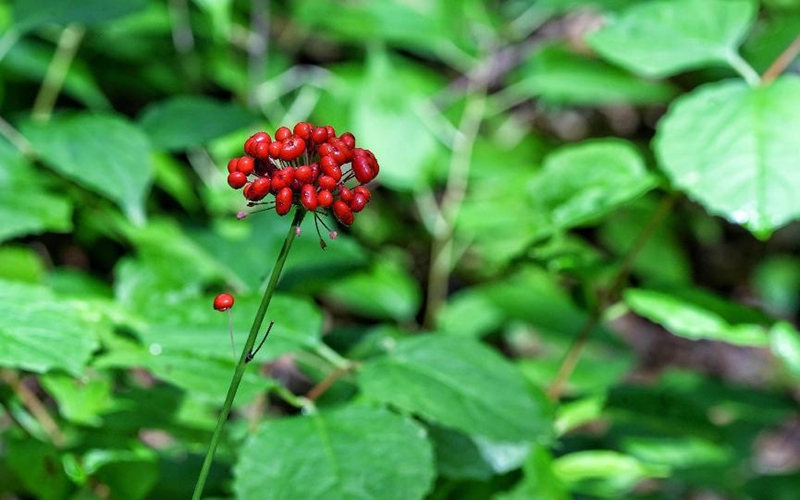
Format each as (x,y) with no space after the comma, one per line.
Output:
(353,452)
(560,76)
(38,466)
(680,452)
(103,153)
(784,341)
(26,206)
(662,38)
(41,332)
(459,456)
(603,473)
(34,13)
(386,291)
(582,183)
(185,121)
(688,319)
(458,383)
(20,263)
(82,401)
(130,474)
(539,480)
(731,147)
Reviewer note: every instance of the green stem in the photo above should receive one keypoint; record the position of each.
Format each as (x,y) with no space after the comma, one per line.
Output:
(744,69)
(248,346)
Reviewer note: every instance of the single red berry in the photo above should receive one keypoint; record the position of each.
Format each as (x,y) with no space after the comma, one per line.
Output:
(282,178)
(237,180)
(232,164)
(223,302)
(345,194)
(326,182)
(254,140)
(331,131)
(303,130)
(343,212)
(358,202)
(363,191)
(292,148)
(324,149)
(283,201)
(326,163)
(246,165)
(319,135)
(308,197)
(304,174)
(324,198)
(362,169)
(348,139)
(275,149)
(261,150)
(282,134)
(260,188)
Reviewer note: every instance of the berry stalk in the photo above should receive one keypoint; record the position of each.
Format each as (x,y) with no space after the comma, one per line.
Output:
(241,365)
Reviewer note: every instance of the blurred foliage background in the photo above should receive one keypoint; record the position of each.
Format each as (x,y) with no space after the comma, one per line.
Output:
(532,192)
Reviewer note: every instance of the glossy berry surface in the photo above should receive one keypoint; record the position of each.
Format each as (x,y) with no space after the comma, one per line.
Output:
(223,302)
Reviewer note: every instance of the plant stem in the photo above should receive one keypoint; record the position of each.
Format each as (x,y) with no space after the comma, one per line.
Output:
(34,406)
(783,60)
(67,47)
(575,350)
(248,346)
(744,69)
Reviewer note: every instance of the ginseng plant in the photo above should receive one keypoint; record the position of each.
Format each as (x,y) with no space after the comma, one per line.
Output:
(313,170)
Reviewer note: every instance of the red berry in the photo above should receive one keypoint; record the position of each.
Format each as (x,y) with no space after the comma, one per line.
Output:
(292,148)
(348,139)
(261,150)
(246,165)
(260,188)
(237,180)
(282,178)
(343,212)
(303,130)
(363,191)
(358,202)
(253,142)
(345,194)
(331,131)
(304,174)
(223,302)
(282,134)
(308,197)
(324,149)
(232,164)
(283,201)
(275,149)
(319,135)
(326,182)
(324,198)
(362,169)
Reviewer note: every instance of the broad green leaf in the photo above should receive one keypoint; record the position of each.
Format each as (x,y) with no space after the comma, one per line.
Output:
(458,383)
(83,401)
(539,480)
(573,414)
(20,263)
(582,183)
(185,121)
(38,467)
(26,206)
(607,474)
(678,452)
(130,474)
(662,38)
(688,319)
(34,13)
(41,332)
(560,76)
(732,148)
(459,456)
(355,452)
(103,153)
(784,341)
(385,291)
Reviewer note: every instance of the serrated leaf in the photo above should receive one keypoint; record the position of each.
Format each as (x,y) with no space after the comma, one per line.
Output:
(582,183)
(691,320)
(185,121)
(41,332)
(733,148)
(33,13)
(560,76)
(103,153)
(458,383)
(26,207)
(662,38)
(356,452)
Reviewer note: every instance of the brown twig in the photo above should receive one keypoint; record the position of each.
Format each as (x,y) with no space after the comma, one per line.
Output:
(320,389)
(575,350)
(34,406)
(783,60)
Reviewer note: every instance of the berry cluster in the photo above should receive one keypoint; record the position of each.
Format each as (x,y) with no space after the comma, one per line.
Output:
(305,167)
